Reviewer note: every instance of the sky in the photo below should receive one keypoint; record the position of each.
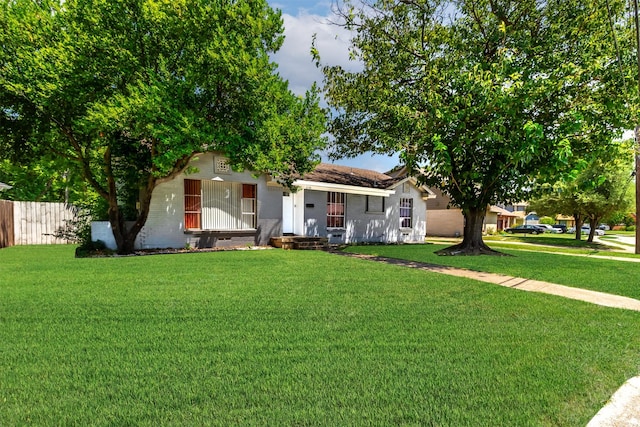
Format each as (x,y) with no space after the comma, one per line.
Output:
(302,19)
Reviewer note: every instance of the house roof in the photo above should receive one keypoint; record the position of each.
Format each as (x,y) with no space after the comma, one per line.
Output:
(502,212)
(347,175)
(347,179)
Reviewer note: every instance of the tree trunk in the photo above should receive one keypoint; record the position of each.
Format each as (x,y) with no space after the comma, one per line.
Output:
(121,235)
(125,237)
(579,221)
(593,221)
(472,243)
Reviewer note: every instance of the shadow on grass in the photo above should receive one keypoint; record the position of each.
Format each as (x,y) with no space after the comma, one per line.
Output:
(564,241)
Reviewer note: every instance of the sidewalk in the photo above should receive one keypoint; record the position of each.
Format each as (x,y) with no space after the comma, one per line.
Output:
(623,409)
(614,247)
(594,297)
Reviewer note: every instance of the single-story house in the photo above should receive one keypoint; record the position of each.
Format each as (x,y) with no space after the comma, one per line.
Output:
(444,220)
(217,207)
(497,219)
(569,221)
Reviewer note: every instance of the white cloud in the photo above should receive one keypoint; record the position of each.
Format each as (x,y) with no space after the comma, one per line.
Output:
(296,65)
(294,58)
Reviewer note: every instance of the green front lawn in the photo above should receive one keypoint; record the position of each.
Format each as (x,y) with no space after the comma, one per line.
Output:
(294,338)
(616,277)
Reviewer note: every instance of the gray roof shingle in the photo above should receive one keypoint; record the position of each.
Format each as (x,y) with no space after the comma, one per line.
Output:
(347,175)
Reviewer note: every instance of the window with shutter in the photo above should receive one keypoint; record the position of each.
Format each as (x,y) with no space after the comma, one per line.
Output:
(212,205)
(192,204)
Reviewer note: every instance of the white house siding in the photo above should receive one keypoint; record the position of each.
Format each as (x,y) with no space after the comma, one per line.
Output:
(418,232)
(164,227)
(165,224)
(362,226)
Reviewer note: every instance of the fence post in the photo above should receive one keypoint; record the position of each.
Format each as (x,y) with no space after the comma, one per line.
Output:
(7,236)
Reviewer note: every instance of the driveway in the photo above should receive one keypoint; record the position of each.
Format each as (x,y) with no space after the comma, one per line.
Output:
(626,243)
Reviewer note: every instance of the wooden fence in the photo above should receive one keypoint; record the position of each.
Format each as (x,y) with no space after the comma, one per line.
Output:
(32,223)
(6,224)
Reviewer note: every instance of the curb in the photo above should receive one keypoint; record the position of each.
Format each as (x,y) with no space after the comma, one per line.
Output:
(623,409)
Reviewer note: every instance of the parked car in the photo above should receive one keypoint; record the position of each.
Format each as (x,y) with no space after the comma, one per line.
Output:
(586,230)
(550,229)
(526,229)
(604,227)
(561,227)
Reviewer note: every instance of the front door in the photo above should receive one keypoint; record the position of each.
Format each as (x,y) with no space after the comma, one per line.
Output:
(287,213)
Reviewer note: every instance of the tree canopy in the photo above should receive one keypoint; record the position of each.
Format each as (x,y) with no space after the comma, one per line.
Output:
(599,189)
(484,99)
(128,91)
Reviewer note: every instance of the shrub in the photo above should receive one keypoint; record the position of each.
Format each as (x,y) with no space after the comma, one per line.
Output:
(77,230)
(547,220)
(92,248)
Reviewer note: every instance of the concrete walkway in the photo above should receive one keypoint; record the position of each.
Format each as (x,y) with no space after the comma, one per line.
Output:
(623,409)
(594,297)
(622,243)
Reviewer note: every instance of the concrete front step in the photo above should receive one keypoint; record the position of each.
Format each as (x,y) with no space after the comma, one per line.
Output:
(300,242)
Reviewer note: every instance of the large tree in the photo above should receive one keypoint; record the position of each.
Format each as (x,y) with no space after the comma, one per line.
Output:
(127,92)
(482,98)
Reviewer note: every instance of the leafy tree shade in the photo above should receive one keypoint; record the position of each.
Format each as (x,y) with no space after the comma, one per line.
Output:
(482,98)
(127,92)
(599,190)
(43,181)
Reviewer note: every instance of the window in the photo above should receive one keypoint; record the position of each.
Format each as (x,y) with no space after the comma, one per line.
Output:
(192,204)
(213,205)
(406,212)
(249,203)
(375,204)
(335,210)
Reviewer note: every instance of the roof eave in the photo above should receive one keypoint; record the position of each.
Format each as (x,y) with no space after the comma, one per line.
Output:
(342,188)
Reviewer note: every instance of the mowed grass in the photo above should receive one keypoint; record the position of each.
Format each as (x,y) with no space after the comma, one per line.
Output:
(618,277)
(294,338)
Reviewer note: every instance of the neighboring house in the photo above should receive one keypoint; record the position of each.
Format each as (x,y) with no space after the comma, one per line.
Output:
(569,221)
(446,221)
(497,219)
(519,209)
(442,219)
(218,207)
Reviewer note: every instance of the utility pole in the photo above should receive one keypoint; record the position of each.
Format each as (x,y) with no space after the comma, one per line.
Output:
(637,131)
